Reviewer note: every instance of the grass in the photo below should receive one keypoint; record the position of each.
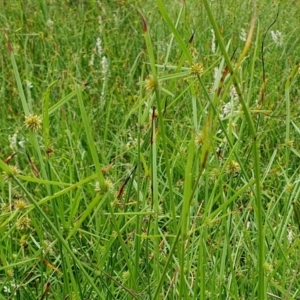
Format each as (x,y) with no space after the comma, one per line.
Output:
(139,161)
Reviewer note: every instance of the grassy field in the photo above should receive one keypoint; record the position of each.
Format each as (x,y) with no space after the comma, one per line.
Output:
(149,149)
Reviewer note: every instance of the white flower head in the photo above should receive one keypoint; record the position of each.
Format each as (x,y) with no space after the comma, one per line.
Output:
(50,23)
(91,62)
(100,22)
(22,143)
(6,289)
(277,37)
(217,78)
(99,46)
(226,109)
(29,84)
(216,73)
(233,93)
(104,67)
(243,35)
(213,42)
(290,236)
(13,141)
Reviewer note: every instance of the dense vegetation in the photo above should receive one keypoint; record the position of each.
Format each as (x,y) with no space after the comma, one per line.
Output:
(149,149)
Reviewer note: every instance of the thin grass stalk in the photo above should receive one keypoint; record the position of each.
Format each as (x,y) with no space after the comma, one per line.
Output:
(202,262)
(108,112)
(61,102)
(138,228)
(288,112)
(250,86)
(18,78)
(154,187)
(46,127)
(90,140)
(185,216)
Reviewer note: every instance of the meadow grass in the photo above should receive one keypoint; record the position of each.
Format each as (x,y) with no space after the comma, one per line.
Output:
(149,150)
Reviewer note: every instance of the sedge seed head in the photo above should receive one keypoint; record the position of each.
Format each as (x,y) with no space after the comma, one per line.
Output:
(23,223)
(199,139)
(13,171)
(268,268)
(47,247)
(10,272)
(289,143)
(289,188)
(5,208)
(20,204)
(23,241)
(197,69)
(126,275)
(233,167)
(108,186)
(215,174)
(33,122)
(194,53)
(149,83)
